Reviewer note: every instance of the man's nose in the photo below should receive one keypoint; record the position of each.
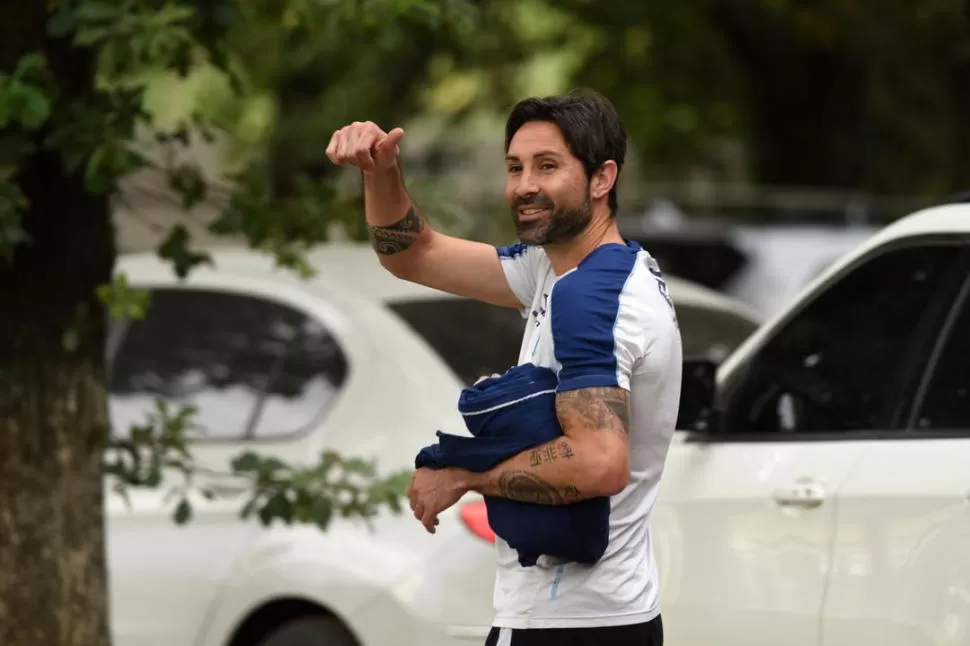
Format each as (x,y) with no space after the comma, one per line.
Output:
(526,187)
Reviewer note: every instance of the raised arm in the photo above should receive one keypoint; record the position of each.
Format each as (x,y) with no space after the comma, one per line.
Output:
(405,242)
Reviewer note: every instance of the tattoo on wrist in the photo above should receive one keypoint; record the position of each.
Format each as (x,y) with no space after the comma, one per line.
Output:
(606,409)
(527,487)
(395,238)
(550,452)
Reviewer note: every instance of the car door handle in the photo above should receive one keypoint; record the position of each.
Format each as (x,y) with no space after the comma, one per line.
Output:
(803,494)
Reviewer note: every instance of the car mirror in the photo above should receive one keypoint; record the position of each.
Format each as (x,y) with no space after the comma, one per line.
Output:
(698,397)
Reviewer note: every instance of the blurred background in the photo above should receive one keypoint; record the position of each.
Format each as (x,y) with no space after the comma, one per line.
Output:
(766,136)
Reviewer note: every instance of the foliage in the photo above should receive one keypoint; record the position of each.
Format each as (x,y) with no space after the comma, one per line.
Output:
(836,93)
(93,132)
(334,487)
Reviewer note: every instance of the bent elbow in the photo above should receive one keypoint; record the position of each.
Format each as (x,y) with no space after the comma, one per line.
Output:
(614,482)
(398,267)
(611,477)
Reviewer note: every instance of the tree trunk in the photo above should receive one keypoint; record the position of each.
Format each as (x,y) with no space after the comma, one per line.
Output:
(53,428)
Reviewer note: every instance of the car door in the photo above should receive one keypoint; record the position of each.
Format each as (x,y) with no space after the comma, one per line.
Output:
(746,521)
(900,573)
(257,369)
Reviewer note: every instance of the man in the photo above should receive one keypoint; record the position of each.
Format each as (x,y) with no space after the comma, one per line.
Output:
(599,315)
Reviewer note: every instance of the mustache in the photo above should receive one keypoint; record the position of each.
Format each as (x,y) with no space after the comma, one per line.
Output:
(537,200)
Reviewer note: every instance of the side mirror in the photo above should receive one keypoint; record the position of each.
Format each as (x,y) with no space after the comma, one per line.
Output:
(698,397)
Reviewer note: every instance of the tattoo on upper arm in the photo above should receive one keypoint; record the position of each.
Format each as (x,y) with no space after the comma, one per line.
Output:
(397,237)
(606,409)
(527,487)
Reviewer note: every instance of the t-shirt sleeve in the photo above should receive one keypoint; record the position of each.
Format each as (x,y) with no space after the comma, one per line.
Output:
(600,332)
(519,262)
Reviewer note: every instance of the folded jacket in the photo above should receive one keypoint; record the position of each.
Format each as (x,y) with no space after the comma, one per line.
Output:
(507,415)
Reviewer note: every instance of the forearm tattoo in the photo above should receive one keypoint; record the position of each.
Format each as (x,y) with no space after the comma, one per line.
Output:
(604,409)
(395,238)
(527,487)
(549,453)
(590,409)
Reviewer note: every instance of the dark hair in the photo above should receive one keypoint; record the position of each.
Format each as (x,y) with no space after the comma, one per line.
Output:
(589,123)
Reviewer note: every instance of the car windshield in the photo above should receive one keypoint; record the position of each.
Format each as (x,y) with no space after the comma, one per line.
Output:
(472,337)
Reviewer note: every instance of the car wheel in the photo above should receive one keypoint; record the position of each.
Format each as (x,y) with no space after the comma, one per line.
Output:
(310,631)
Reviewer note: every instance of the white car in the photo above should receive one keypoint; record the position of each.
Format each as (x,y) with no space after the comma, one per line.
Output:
(353,360)
(828,501)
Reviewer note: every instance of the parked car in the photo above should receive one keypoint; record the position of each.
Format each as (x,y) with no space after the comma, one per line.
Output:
(826,502)
(353,360)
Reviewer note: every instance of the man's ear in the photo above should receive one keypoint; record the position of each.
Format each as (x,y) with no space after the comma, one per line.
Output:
(603,180)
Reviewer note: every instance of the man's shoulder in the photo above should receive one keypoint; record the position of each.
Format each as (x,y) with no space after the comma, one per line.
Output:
(604,279)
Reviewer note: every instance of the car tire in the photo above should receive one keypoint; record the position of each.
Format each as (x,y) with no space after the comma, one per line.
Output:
(310,631)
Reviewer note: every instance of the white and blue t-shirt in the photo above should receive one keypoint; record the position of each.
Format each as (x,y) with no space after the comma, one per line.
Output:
(608,322)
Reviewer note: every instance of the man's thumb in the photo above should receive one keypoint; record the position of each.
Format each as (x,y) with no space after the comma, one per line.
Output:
(391,140)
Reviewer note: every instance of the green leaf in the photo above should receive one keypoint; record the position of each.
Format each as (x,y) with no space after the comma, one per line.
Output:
(35,108)
(29,66)
(175,249)
(122,300)
(272,465)
(183,512)
(12,205)
(187,180)
(63,22)
(322,512)
(277,507)
(141,434)
(86,36)
(94,11)
(246,463)
(94,174)
(71,340)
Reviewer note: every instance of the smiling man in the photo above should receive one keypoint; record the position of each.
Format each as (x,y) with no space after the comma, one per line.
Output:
(599,316)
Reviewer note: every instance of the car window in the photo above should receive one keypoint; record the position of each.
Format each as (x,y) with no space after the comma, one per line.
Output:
(946,402)
(254,368)
(472,337)
(711,333)
(835,365)
(477,339)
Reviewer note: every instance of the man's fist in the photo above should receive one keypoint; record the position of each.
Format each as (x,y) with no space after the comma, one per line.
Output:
(366,146)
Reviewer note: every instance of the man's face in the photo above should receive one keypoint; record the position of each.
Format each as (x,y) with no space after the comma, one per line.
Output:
(546,186)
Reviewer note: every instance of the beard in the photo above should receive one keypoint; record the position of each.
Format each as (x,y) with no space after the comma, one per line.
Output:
(561,225)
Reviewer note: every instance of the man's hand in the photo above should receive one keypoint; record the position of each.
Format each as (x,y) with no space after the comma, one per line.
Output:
(366,146)
(434,490)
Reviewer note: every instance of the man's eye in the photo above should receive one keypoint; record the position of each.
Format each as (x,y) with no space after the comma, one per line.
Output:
(515,169)
(547,166)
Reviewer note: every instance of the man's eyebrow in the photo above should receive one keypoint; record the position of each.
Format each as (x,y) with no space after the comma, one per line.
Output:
(541,153)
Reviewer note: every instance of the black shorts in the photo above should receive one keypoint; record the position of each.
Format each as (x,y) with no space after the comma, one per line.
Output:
(648,634)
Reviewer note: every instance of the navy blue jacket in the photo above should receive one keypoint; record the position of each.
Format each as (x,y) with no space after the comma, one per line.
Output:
(507,415)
